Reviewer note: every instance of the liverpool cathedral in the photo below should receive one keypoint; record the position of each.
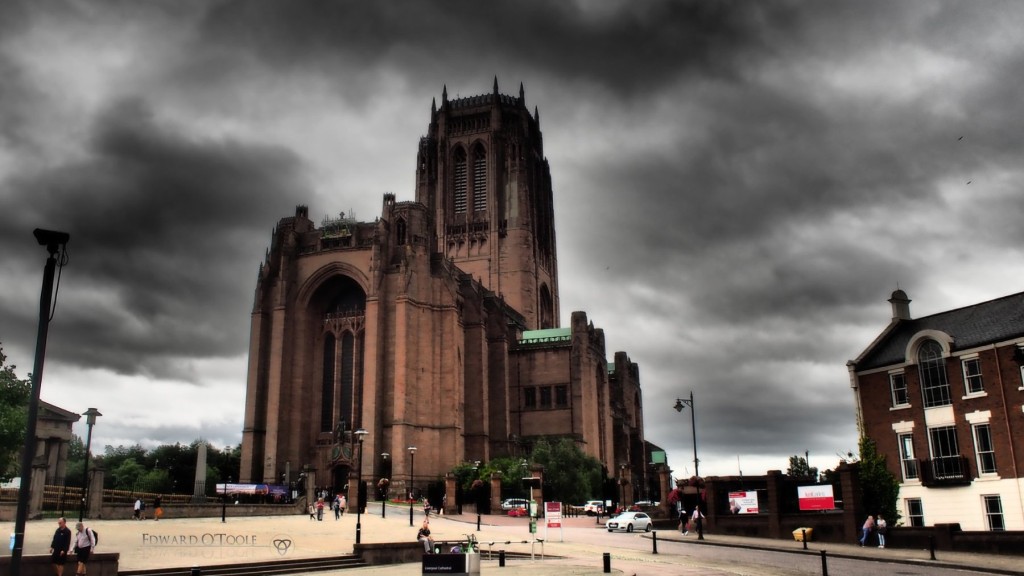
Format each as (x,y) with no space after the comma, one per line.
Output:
(435,326)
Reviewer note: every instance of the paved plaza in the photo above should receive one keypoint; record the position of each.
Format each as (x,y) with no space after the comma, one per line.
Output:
(204,542)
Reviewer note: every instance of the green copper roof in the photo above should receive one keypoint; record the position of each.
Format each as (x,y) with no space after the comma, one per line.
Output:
(547,335)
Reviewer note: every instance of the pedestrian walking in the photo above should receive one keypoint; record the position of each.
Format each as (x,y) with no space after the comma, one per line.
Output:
(59,546)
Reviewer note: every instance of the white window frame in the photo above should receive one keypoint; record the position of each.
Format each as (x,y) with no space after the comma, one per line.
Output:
(907,457)
(974,384)
(892,389)
(975,429)
(912,519)
(994,518)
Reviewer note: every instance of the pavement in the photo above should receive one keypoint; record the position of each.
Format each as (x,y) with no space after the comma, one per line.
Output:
(187,542)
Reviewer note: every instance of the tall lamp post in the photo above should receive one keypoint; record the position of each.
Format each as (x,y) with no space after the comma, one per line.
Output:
(224,501)
(54,242)
(476,470)
(680,403)
(412,476)
(384,499)
(359,485)
(90,421)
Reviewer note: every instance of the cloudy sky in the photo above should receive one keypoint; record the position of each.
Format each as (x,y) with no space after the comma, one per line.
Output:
(739,186)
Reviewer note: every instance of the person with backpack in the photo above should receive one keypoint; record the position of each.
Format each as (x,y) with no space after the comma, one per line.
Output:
(85,542)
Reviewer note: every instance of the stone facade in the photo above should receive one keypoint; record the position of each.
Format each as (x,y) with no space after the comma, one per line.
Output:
(434,326)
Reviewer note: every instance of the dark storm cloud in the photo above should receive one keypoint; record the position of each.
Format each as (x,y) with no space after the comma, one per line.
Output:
(738,185)
(631,51)
(167,230)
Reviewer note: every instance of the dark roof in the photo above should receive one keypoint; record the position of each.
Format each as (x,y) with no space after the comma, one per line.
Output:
(977,325)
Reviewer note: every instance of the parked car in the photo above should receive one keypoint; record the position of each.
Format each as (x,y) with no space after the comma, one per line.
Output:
(630,521)
(517,512)
(593,507)
(511,503)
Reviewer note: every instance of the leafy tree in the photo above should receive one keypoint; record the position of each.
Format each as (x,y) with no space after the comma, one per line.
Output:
(879,488)
(798,467)
(14,398)
(74,473)
(127,475)
(570,475)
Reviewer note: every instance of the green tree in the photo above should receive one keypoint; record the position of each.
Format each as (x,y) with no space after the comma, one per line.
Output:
(798,467)
(879,488)
(127,475)
(571,476)
(14,398)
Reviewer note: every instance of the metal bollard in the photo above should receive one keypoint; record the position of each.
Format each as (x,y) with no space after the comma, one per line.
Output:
(824,564)
(607,563)
(803,537)
(501,558)
(931,546)
(654,541)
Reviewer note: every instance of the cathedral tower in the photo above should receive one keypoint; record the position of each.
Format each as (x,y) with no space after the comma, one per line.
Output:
(482,174)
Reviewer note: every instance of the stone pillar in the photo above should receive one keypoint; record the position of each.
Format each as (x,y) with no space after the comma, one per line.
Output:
(627,488)
(664,487)
(774,479)
(849,481)
(36,486)
(450,492)
(199,486)
(95,497)
(537,471)
(353,491)
(310,486)
(495,491)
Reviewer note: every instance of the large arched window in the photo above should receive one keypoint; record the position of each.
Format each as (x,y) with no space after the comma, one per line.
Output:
(547,314)
(479,178)
(459,184)
(932,368)
(327,389)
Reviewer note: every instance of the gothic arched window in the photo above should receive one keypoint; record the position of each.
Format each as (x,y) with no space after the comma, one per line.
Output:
(479,178)
(459,189)
(400,232)
(327,389)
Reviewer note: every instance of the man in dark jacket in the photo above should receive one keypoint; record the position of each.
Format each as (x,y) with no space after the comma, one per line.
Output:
(59,546)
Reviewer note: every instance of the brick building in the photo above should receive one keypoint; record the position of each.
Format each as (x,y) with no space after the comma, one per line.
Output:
(942,396)
(436,325)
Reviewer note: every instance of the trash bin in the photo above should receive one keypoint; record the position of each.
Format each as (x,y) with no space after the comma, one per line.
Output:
(798,534)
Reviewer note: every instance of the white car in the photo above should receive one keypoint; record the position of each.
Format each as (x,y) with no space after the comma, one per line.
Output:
(593,507)
(514,503)
(630,521)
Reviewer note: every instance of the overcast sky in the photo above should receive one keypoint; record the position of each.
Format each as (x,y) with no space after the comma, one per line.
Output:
(739,186)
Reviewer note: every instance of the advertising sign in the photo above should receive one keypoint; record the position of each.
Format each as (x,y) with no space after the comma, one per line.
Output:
(553,513)
(816,497)
(743,502)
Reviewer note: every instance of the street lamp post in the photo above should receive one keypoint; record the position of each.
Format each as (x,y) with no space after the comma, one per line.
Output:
(680,403)
(412,476)
(384,496)
(476,469)
(224,501)
(54,242)
(359,485)
(90,421)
